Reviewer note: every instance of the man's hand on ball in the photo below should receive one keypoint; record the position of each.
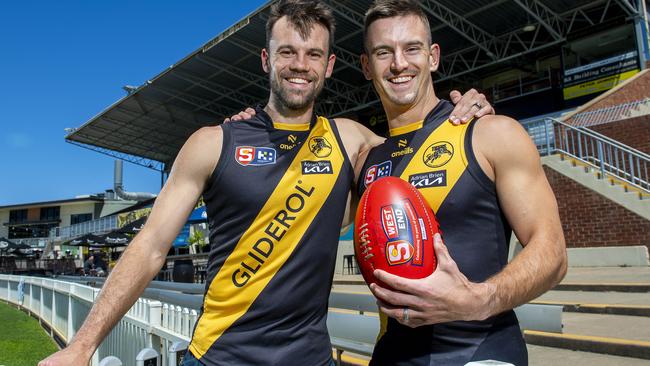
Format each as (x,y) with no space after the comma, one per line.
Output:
(446,295)
(468,105)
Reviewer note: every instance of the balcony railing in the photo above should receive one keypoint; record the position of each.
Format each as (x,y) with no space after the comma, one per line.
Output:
(103,224)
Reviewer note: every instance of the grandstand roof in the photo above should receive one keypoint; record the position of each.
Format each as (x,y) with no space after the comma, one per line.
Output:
(477,37)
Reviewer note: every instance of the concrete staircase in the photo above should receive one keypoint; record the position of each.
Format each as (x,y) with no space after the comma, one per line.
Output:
(605,317)
(615,325)
(618,191)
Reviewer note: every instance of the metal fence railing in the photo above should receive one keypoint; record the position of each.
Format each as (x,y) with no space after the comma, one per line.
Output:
(610,157)
(157,329)
(103,224)
(150,332)
(611,114)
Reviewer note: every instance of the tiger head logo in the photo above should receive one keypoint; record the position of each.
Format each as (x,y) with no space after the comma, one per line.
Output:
(320,147)
(438,154)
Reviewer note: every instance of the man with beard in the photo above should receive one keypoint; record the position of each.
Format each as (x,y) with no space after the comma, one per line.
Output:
(481,179)
(276,188)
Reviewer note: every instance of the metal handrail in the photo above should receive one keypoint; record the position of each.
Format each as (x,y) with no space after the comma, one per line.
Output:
(609,114)
(596,135)
(616,142)
(610,157)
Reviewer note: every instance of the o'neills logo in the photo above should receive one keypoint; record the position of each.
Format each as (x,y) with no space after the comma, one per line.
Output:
(405,151)
(275,230)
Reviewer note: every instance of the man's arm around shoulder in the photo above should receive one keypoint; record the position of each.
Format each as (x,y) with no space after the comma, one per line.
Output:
(147,252)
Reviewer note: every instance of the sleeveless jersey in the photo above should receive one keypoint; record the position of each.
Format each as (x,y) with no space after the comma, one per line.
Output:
(437,158)
(275,203)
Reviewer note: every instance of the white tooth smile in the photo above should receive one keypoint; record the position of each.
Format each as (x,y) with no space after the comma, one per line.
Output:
(401,79)
(297,80)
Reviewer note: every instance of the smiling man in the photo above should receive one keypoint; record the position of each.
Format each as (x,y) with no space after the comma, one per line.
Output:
(481,179)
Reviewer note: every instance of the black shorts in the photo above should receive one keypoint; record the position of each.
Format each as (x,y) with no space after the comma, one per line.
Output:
(452,344)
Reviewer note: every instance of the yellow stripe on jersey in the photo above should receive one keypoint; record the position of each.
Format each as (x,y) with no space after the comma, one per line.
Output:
(443,150)
(405,129)
(258,255)
(291,126)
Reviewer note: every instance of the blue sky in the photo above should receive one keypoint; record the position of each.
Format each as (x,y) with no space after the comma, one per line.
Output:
(62,62)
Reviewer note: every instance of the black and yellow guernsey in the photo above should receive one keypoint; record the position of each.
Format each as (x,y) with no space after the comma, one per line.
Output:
(437,158)
(275,204)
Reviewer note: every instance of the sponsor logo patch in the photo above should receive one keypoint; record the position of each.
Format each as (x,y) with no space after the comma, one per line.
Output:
(401,226)
(377,171)
(255,156)
(405,151)
(402,143)
(292,142)
(320,147)
(430,179)
(317,167)
(438,154)
(399,252)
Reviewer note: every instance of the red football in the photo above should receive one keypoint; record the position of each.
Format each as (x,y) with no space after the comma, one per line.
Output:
(393,231)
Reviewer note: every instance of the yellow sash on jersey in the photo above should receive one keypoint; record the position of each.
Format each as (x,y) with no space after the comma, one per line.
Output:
(243,277)
(453,161)
(447,134)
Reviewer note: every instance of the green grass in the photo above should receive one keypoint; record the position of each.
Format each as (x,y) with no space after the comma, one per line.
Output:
(22,340)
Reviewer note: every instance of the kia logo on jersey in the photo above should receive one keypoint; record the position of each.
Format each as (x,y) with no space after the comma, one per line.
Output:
(377,171)
(255,156)
(317,167)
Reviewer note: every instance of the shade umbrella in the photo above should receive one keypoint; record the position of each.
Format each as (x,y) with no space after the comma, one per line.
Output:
(20,249)
(7,245)
(85,240)
(133,227)
(114,239)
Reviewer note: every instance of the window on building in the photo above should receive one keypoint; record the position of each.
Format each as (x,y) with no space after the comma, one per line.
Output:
(16,216)
(50,213)
(30,231)
(79,218)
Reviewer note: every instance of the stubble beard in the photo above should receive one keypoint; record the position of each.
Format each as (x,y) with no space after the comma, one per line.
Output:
(293,100)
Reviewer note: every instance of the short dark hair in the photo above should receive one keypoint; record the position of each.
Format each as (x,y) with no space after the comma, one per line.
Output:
(303,15)
(381,9)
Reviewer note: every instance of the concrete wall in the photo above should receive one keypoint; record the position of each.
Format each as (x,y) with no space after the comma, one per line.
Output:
(591,220)
(74,209)
(608,257)
(110,207)
(346,247)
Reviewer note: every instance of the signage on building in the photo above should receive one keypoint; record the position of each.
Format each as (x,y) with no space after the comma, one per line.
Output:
(599,76)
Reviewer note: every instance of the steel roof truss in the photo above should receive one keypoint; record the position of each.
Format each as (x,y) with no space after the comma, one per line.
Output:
(545,16)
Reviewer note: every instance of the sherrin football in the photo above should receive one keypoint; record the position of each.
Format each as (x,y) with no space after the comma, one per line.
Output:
(393,231)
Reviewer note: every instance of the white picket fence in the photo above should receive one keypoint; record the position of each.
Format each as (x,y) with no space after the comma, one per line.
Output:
(151,333)
(156,333)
